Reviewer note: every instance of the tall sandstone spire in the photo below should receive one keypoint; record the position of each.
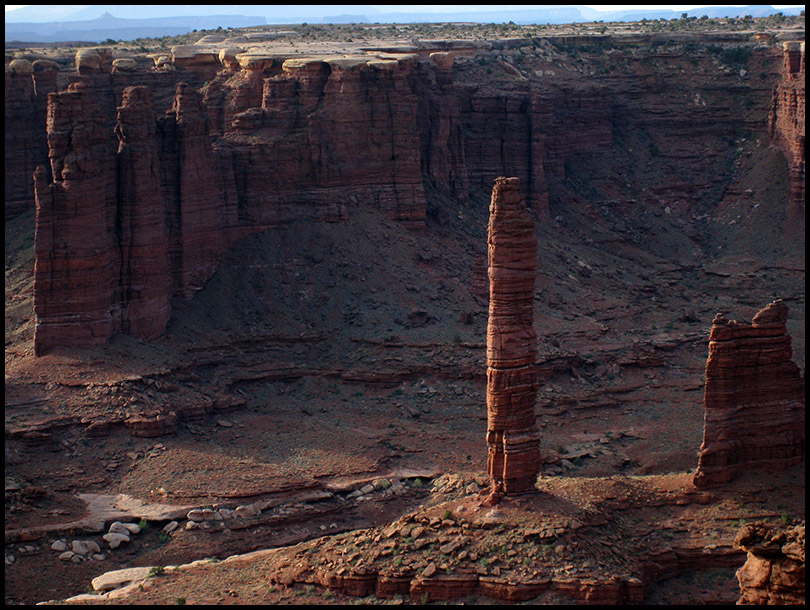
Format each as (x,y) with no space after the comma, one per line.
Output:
(513,440)
(754,398)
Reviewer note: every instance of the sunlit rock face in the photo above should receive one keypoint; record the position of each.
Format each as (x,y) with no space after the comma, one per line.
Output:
(513,439)
(754,398)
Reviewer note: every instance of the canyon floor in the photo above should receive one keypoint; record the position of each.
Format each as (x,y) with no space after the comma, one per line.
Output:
(355,364)
(326,358)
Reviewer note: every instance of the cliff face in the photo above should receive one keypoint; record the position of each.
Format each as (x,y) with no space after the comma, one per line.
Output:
(119,231)
(196,206)
(76,264)
(142,236)
(754,399)
(337,133)
(787,117)
(27,88)
(271,140)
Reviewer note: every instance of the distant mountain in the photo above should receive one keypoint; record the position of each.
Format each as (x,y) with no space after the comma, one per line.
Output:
(271,12)
(106,26)
(59,23)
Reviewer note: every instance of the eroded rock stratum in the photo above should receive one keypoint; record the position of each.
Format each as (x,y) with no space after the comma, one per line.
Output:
(754,398)
(275,138)
(273,261)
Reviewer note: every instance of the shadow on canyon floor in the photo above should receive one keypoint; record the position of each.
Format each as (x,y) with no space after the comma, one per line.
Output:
(321,353)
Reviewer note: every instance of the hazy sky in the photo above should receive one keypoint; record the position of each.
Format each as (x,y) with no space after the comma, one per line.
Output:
(454,7)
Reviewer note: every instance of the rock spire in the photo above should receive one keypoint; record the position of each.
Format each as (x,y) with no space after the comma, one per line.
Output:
(754,398)
(512,436)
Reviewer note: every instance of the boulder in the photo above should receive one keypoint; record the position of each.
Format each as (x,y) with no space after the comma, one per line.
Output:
(119,578)
(227,57)
(20,66)
(115,540)
(193,55)
(773,573)
(93,60)
(124,64)
(255,62)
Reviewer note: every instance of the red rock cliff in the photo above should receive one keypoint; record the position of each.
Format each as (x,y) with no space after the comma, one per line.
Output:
(197,209)
(754,399)
(275,140)
(145,280)
(76,260)
(787,117)
(513,439)
(27,88)
(338,133)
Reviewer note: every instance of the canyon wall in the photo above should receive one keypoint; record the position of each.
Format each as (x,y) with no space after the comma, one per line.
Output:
(76,260)
(754,399)
(271,139)
(787,117)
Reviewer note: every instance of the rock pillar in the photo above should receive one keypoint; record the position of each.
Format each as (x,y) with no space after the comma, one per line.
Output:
(513,440)
(754,398)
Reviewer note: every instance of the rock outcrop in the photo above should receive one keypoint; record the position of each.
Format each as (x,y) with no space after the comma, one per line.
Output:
(27,87)
(787,117)
(76,264)
(513,439)
(273,139)
(193,192)
(118,233)
(773,573)
(754,398)
(94,60)
(343,129)
(142,235)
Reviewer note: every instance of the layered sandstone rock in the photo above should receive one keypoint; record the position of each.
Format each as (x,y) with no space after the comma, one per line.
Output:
(512,435)
(94,60)
(442,156)
(343,131)
(277,139)
(27,88)
(787,117)
(76,263)
(754,398)
(773,573)
(145,275)
(197,210)
(480,278)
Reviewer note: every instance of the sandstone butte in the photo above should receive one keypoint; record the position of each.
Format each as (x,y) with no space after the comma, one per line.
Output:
(513,439)
(773,573)
(754,399)
(270,139)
